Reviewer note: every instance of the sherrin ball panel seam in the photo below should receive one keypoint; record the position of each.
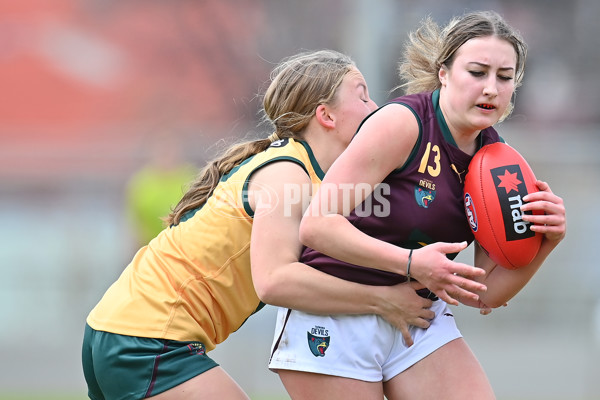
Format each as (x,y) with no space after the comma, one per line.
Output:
(480,167)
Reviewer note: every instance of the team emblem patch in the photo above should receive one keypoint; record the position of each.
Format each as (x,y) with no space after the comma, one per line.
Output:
(197,348)
(424,197)
(318,341)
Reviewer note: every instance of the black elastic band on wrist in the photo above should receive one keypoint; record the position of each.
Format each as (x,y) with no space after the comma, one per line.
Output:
(408,265)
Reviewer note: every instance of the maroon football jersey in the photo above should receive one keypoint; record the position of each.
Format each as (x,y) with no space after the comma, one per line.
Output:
(418,204)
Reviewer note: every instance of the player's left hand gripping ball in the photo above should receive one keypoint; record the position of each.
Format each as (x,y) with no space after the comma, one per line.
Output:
(498,179)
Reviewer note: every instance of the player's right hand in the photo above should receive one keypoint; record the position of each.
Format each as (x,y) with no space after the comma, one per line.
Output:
(401,306)
(450,281)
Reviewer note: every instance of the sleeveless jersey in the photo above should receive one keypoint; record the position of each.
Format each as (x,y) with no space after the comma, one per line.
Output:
(418,204)
(193,281)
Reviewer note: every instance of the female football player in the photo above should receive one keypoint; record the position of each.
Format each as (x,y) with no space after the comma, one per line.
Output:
(192,285)
(403,176)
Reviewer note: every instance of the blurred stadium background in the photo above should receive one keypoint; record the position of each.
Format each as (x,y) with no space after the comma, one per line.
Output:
(87,85)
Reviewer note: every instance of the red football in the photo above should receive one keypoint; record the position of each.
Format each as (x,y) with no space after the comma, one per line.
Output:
(495,184)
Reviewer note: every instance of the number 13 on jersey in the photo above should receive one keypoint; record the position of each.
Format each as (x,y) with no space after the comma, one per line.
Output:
(434,169)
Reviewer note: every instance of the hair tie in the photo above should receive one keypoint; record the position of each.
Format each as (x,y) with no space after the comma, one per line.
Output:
(273,137)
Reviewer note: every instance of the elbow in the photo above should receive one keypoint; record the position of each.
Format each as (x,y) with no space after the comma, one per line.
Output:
(264,290)
(309,233)
(495,304)
(496,301)
(270,287)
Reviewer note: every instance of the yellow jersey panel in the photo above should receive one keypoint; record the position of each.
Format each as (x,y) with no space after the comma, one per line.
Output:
(193,281)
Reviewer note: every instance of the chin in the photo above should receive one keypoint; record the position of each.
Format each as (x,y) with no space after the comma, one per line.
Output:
(485,122)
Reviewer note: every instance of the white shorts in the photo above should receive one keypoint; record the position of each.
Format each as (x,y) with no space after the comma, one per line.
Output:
(364,347)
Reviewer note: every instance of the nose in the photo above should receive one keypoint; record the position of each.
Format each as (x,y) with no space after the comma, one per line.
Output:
(490,88)
(372,105)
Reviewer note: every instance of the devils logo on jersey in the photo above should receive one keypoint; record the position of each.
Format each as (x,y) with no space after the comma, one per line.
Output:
(424,197)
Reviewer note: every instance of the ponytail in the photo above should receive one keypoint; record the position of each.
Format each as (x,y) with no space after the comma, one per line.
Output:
(208,178)
(298,85)
(419,66)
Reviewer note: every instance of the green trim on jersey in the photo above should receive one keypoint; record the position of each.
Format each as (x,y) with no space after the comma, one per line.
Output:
(435,99)
(415,149)
(313,160)
(234,169)
(247,207)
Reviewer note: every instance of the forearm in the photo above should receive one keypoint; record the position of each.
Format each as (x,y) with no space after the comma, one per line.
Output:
(351,245)
(503,284)
(304,288)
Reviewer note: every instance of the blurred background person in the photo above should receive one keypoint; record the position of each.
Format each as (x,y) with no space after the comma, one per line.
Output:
(154,189)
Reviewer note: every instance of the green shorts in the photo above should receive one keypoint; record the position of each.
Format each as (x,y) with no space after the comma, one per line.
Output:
(118,367)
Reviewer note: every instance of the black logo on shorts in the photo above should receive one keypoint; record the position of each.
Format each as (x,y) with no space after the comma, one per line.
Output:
(318,341)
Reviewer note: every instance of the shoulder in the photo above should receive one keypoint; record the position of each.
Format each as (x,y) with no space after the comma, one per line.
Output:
(284,162)
(285,150)
(409,108)
(282,170)
(392,122)
(419,102)
(389,134)
(280,150)
(282,180)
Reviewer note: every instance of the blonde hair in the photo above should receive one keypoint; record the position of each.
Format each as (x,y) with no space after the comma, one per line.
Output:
(431,47)
(298,85)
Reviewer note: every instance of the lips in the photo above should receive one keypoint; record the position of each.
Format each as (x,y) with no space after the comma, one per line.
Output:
(486,106)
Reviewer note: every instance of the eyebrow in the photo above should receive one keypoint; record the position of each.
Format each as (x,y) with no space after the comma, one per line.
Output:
(363,86)
(487,66)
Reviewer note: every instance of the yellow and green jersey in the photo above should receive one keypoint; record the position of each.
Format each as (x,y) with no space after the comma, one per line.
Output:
(193,281)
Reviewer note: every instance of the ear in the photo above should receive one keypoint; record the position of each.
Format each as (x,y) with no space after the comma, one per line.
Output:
(443,75)
(324,116)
